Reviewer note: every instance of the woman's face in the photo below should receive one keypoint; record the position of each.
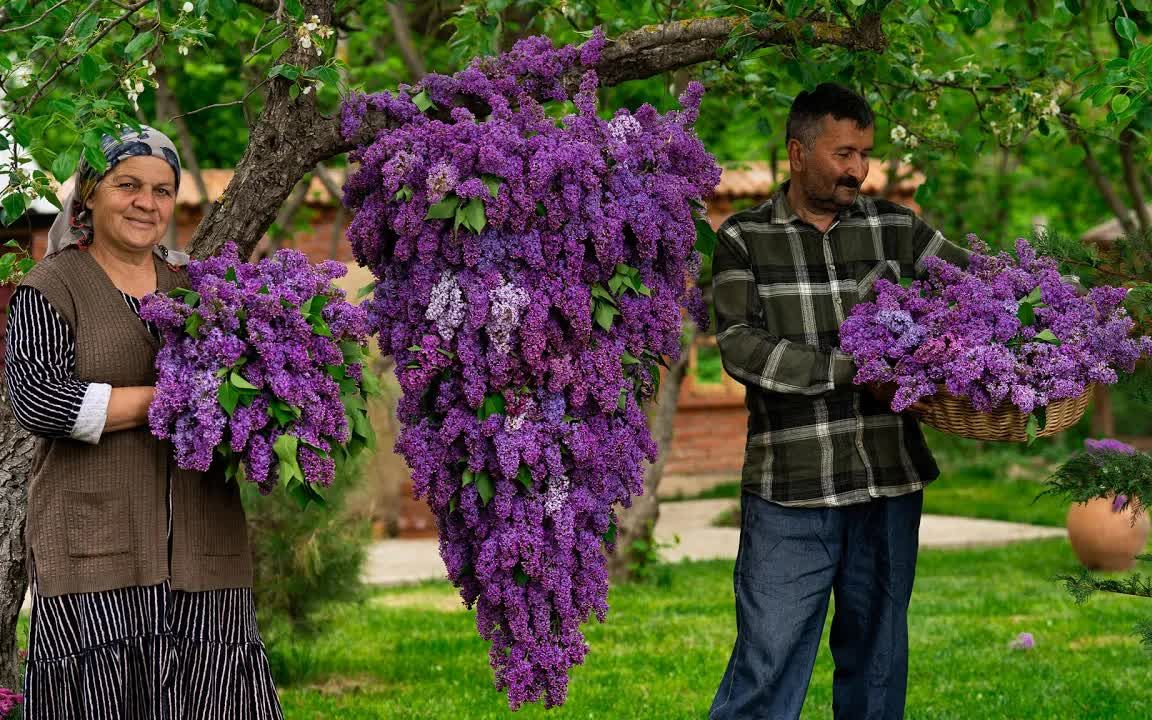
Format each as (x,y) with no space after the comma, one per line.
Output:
(132,205)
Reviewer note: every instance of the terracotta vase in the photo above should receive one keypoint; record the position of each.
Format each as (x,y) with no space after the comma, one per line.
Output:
(1106,540)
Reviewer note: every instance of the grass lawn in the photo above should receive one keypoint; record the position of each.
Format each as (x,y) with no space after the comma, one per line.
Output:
(414,653)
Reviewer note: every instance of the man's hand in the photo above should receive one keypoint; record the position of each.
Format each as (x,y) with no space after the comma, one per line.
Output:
(884,392)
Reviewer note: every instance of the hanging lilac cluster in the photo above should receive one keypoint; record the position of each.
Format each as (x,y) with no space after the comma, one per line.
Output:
(262,367)
(1007,329)
(532,273)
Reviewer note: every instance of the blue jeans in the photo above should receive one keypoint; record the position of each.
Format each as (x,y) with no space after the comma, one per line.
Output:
(790,559)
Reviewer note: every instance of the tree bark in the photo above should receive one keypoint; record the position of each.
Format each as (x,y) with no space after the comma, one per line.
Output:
(638,522)
(17,448)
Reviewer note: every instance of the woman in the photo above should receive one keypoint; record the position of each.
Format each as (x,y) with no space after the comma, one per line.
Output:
(140,571)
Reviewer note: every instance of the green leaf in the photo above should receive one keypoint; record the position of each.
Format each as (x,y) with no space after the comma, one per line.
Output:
(610,534)
(1126,29)
(541,210)
(524,475)
(629,359)
(485,487)
(289,72)
(14,205)
(404,194)
(285,448)
(422,101)
(282,412)
(467,478)
(326,75)
(65,163)
(88,69)
(139,45)
(190,298)
(192,325)
(1026,313)
(1047,336)
(474,217)
(1041,414)
(87,25)
(1073,6)
(306,494)
(705,238)
(622,401)
(520,576)
(295,9)
(95,156)
(1031,428)
(444,209)
(237,380)
(604,315)
(493,184)
(493,405)
(1120,103)
(228,397)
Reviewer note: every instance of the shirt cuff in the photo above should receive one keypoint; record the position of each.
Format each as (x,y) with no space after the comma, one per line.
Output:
(843,368)
(93,413)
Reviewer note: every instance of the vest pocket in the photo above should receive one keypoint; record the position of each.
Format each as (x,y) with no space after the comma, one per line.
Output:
(97,524)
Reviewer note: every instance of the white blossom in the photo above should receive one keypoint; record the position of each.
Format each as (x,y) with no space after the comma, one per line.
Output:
(187,7)
(899,133)
(913,141)
(183,49)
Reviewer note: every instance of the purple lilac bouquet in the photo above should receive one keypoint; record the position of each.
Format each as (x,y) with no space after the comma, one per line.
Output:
(532,276)
(262,366)
(1006,329)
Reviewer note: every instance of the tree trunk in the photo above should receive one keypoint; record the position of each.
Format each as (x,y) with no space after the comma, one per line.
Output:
(17,448)
(639,521)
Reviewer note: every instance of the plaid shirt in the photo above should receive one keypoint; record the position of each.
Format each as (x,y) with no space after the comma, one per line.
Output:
(781,289)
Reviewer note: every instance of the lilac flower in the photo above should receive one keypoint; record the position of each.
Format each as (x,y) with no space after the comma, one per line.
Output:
(521,411)
(9,699)
(1005,329)
(1023,641)
(1108,445)
(259,355)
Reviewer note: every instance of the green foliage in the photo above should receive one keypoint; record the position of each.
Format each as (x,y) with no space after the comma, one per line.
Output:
(1089,475)
(304,560)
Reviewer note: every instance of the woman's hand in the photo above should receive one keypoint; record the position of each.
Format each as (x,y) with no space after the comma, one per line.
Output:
(128,407)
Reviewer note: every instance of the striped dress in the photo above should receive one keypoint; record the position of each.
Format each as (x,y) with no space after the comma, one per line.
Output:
(139,653)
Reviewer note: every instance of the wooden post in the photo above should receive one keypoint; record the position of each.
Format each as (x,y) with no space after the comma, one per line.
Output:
(1103,420)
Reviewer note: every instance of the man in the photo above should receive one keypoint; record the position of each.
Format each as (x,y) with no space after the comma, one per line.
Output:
(832,477)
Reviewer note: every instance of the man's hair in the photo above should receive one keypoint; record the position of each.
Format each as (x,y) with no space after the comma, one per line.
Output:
(809,108)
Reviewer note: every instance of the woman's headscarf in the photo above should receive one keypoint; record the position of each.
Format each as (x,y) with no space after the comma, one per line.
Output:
(73,225)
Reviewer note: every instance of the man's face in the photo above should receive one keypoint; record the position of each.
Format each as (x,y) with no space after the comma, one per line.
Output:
(831,173)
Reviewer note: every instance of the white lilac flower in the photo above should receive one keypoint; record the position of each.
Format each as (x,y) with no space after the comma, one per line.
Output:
(623,127)
(446,306)
(506,304)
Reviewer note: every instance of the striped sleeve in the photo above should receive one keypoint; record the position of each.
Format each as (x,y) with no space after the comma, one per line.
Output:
(47,399)
(748,351)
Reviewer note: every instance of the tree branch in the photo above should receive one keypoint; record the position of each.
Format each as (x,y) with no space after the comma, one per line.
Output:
(1099,178)
(5,16)
(165,96)
(1132,178)
(132,9)
(402,31)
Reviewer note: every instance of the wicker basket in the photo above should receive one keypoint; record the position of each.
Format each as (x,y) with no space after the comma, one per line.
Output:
(956,416)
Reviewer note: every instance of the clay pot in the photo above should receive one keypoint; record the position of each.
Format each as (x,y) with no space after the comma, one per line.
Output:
(1107,540)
